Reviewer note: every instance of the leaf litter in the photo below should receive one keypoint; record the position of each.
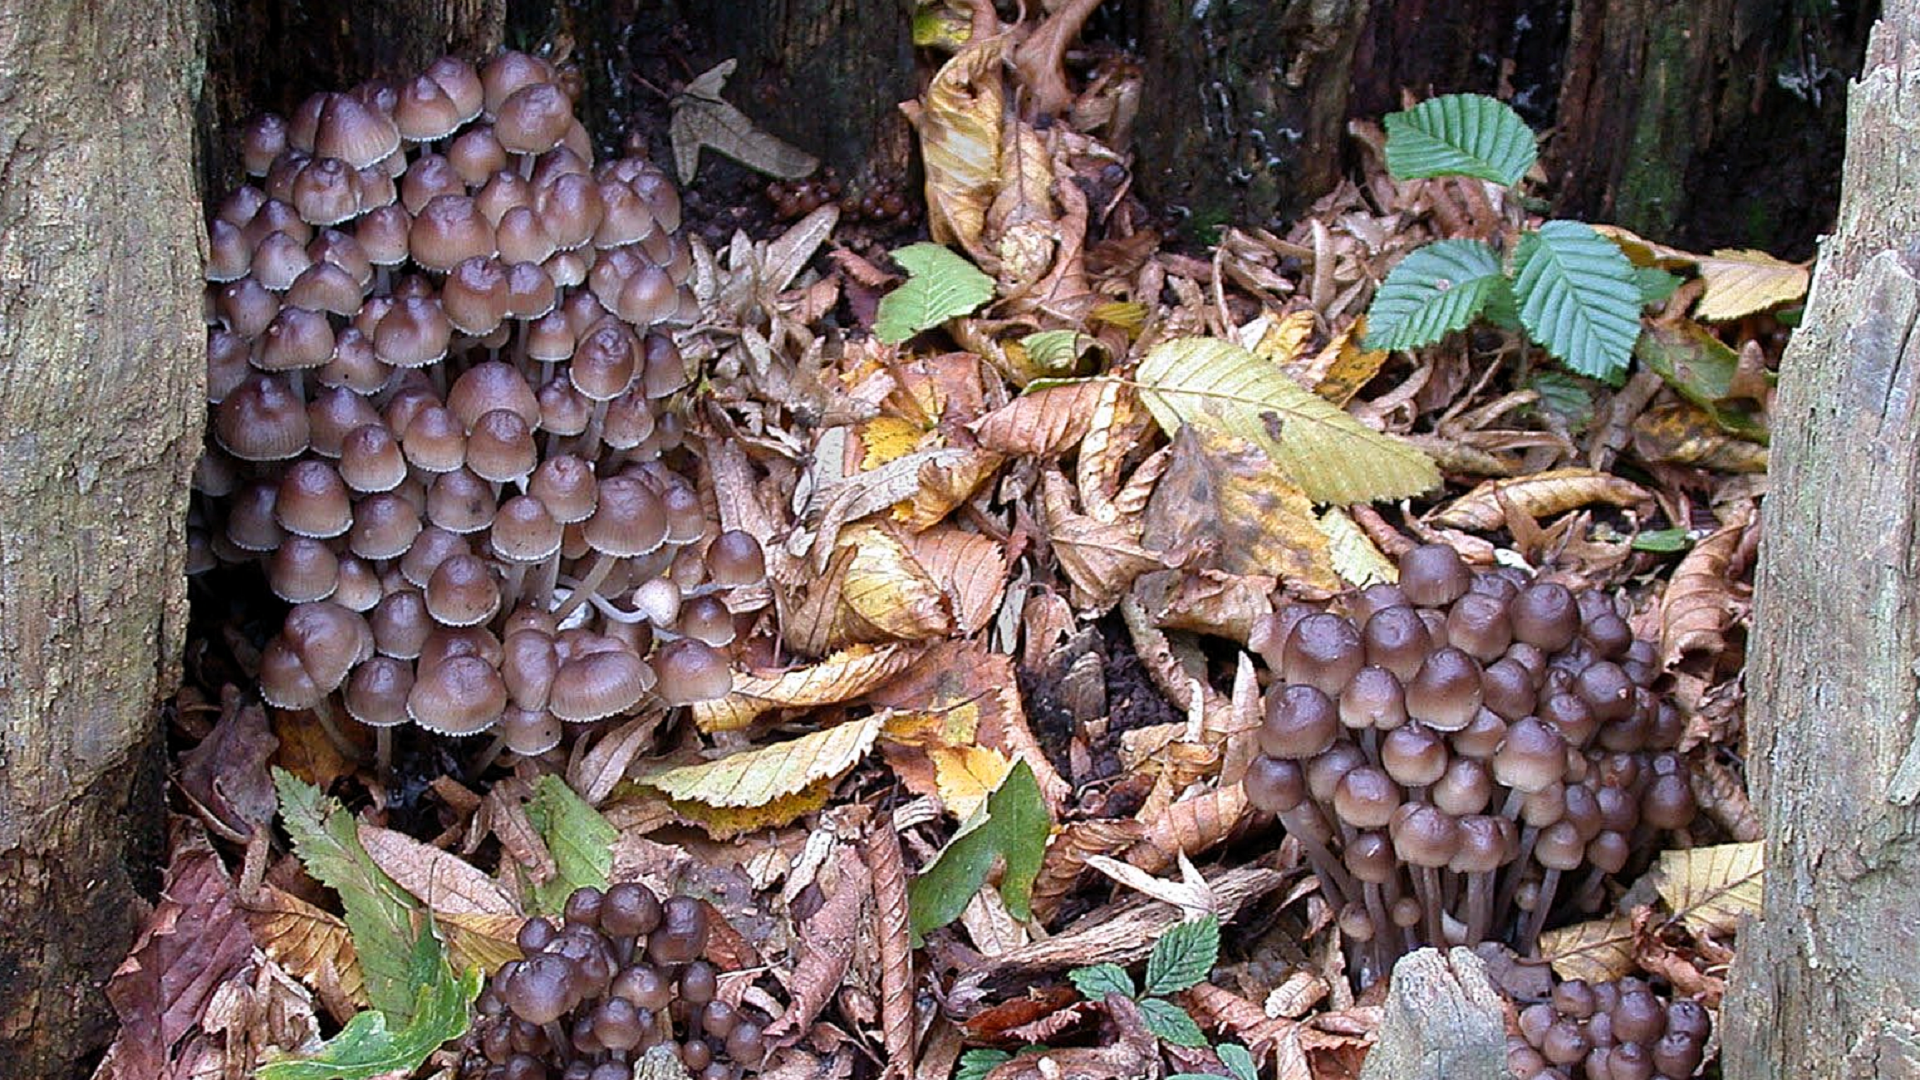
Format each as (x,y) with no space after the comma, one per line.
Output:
(1022,506)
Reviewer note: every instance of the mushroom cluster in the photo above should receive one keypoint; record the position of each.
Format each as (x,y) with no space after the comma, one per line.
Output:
(445,414)
(1609,1031)
(621,979)
(1460,752)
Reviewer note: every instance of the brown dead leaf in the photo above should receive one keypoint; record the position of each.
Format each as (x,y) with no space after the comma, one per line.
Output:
(1210,602)
(1224,494)
(843,676)
(441,880)
(889,875)
(959,121)
(1066,859)
(225,774)
(1700,604)
(595,773)
(1680,433)
(312,944)
(1537,496)
(827,942)
(1723,798)
(1100,560)
(1679,968)
(1118,425)
(306,752)
(1045,422)
(1599,950)
(970,568)
(886,589)
(195,940)
(480,940)
(1191,826)
(947,482)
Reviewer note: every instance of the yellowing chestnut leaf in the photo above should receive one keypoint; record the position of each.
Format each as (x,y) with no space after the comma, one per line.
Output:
(842,676)
(758,776)
(1538,495)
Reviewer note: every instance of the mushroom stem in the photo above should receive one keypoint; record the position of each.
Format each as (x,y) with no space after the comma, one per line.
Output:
(590,440)
(562,1042)
(1479,905)
(1517,869)
(602,566)
(383,751)
(1529,942)
(511,588)
(323,711)
(485,759)
(1386,940)
(1333,876)
(1426,886)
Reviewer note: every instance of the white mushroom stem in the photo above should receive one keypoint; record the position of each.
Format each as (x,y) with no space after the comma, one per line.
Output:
(602,566)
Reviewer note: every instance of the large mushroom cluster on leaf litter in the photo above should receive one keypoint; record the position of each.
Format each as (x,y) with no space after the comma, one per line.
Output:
(445,416)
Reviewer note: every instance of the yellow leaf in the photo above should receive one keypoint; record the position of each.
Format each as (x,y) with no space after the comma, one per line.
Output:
(312,944)
(960,123)
(1710,888)
(886,587)
(1343,367)
(1682,433)
(1114,429)
(727,822)
(1222,491)
(886,438)
(483,941)
(1742,281)
(1643,252)
(758,776)
(1128,315)
(966,775)
(1327,453)
(1043,422)
(1537,496)
(946,484)
(971,569)
(1600,950)
(1355,557)
(1283,342)
(843,676)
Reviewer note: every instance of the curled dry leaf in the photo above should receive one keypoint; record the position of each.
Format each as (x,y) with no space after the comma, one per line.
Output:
(886,588)
(1066,859)
(970,568)
(595,773)
(827,942)
(226,773)
(1100,560)
(945,483)
(1223,493)
(1599,950)
(843,676)
(1537,496)
(1189,827)
(889,875)
(763,774)
(1044,422)
(312,944)
(1117,426)
(1711,888)
(1353,554)
(1699,604)
(439,879)
(1679,433)
(1723,797)
(959,120)
(1741,281)
(1342,367)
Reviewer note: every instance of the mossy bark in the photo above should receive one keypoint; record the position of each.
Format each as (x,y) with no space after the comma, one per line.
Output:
(101,361)
(1826,983)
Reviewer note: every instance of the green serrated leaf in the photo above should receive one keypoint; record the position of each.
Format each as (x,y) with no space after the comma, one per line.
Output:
(1057,352)
(1171,1023)
(1432,292)
(977,1063)
(1238,1060)
(940,286)
(1566,395)
(1183,956)
(1460,135)
(1655,284)
(1662,541)
(1013,825)
(1322,450)
(1577,297)
(369,1046)
(579,838)
(386,922)
(1096,981)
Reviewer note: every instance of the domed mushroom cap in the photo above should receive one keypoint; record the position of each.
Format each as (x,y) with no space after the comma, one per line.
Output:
(500,448)
(312,501)
(358,587)
(598,685)
(400,624)
(1545,615)
(317,646)
(1397,639)
(434,441)
(432,547)
(251,523)
(1433,575)
(461,695)
(1533,756)
(528,732)
(533,119)
(463,591)
(1324,651)
(262,420)
(524,531)
(377,691)
(1445,692)
(706,618)
(686,517)
(1373,698)
(303,570)
(628,521)
(529,663)
(371,460)
(461,502)
(425,111)
(566,485)
(413,333)
(691,671)
(461,83)
(605,362)
(353,132)
(326,191)
(1300,722)
(447,230)
(331,414)
(734,559)
(474,296)
(507,72)
(1413,755)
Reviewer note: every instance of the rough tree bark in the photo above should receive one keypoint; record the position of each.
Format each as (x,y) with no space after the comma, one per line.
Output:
(101,361)
(1826,984)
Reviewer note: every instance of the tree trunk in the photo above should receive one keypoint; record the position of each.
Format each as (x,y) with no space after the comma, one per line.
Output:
(1243,111)
(1827,983)
(101,361)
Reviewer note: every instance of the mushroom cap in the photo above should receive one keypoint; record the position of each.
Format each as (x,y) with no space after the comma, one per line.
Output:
(533,119)
(529,663)
(460,695)
(425,111)
(447,230)
(461,83)
(1275,785)
(571,208)
(331,414)
(476,155)
(1366,797)
(507,72)
(492,385)
(605,362)
(400,624)
(353,132)
(524,531)
(690,671)
(735,559)
(474,295)
(566,485)
(528,732)
(358,587)
(1445,692)
(312,501)
(463,591)
(303,570)
(382,234)
(1300,722)
(434,441)
(318,644)
(1373,698)
(413,333)
(598,685)
(1532,757)
(433,546)
(1413,755)
(1477,624)
(262,420)
(327,191)
(251,523)
(1424,835)
(1433,575)
(377,691)
(1324,651)
(628,521)
(371,460)
(706,618)
(1545,615)
(1464,788)
(1397,639)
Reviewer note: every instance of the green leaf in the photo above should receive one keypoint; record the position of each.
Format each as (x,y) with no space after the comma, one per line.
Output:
(1238,1060)
(1502,309)
(1099,980)
(1171,1023)
(1460,135)
(1183,956)
(1012,824)
(1662,541)
(1322,450)
(940,286)
(1566,395)
(976,1064)
(1432,292)
(579,838)
(1655,284)
(1701,368)
(368,1046)
(1057,352)
(1577,297)
(383,919)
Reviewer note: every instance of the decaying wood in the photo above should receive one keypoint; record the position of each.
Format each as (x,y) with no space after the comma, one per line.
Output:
(1443,1019)
(101,353)
(1826,984)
